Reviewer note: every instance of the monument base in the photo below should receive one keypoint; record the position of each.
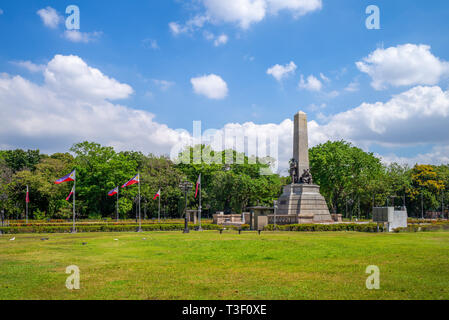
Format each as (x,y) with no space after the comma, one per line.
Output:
(305,202)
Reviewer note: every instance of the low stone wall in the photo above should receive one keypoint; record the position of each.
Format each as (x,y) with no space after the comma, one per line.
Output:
(228,219)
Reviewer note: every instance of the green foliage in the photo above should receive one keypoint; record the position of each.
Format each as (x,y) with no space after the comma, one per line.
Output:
(351,180)
(18,160)
(343,171)
(371,227)
(101,228)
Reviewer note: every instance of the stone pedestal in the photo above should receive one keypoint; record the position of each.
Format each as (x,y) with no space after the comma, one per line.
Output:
(305,202)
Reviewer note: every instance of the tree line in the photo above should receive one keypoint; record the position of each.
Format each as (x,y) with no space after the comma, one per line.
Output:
(351,180)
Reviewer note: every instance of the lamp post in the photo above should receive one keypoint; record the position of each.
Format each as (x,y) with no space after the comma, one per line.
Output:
(186,186)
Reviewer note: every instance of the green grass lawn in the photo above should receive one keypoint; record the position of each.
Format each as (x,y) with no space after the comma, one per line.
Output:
(171,265)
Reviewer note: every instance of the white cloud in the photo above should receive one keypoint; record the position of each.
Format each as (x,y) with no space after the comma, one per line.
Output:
(279,72)
(211,86)
(176,28)
(244,13)
(404,65)
(324,78)
(352,87)
(191,25)
(72,106)
(437,156)
(72,77)
(297,7)
(50,17)
(29,66)
(218,41)
(84,37)
(221,40)
(312,83)
(417,116)
(164,85)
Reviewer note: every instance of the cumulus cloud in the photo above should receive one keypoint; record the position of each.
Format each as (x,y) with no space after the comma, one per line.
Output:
(279,72)
(404,65)
(74,104)
(71,76)
(244,13)
(30,66)
(71,106)
(50,17)
(311,84)
(297,7)
(417,116)
(221,40)
(210,86)
(83,37)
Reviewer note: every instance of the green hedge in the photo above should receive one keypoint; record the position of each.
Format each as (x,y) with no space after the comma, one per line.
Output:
(444,226)
(102,228)
(371,227)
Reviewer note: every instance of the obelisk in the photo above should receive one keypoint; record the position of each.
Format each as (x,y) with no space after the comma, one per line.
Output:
(302,202)
(301,142)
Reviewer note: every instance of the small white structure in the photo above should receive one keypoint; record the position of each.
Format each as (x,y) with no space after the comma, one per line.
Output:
(392,217)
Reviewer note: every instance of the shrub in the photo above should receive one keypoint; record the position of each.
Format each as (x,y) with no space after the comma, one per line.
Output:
(371,227)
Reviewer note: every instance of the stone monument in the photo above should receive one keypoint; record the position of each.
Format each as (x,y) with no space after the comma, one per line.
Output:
(302,198)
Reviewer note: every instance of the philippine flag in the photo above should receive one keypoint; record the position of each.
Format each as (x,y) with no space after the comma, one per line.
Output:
(134,180)
(113,192)
(67,178)
(198,185)
(70,195)
(158,194)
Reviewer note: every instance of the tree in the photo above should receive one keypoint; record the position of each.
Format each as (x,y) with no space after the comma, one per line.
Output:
(18,160)
(100,169)
(343,171)
(426,189)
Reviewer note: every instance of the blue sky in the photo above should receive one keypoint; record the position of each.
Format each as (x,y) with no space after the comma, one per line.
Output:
(132,43)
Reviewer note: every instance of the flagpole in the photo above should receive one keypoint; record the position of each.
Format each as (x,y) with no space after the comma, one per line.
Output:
(118,217)
(74,210)
(26,200)
(200,208)
(140,219)
(159,211)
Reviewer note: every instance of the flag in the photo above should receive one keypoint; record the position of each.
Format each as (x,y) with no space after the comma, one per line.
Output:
(27,199)
(67,178)
(198,184)
(158,194)
(134,180)
(113,192)
(70,195)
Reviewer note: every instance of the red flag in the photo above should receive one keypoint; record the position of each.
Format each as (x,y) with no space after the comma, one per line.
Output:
(113,192)
(134,180)
(198,184)
(158,194)
(67,178)
(70,195)
(27,196)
